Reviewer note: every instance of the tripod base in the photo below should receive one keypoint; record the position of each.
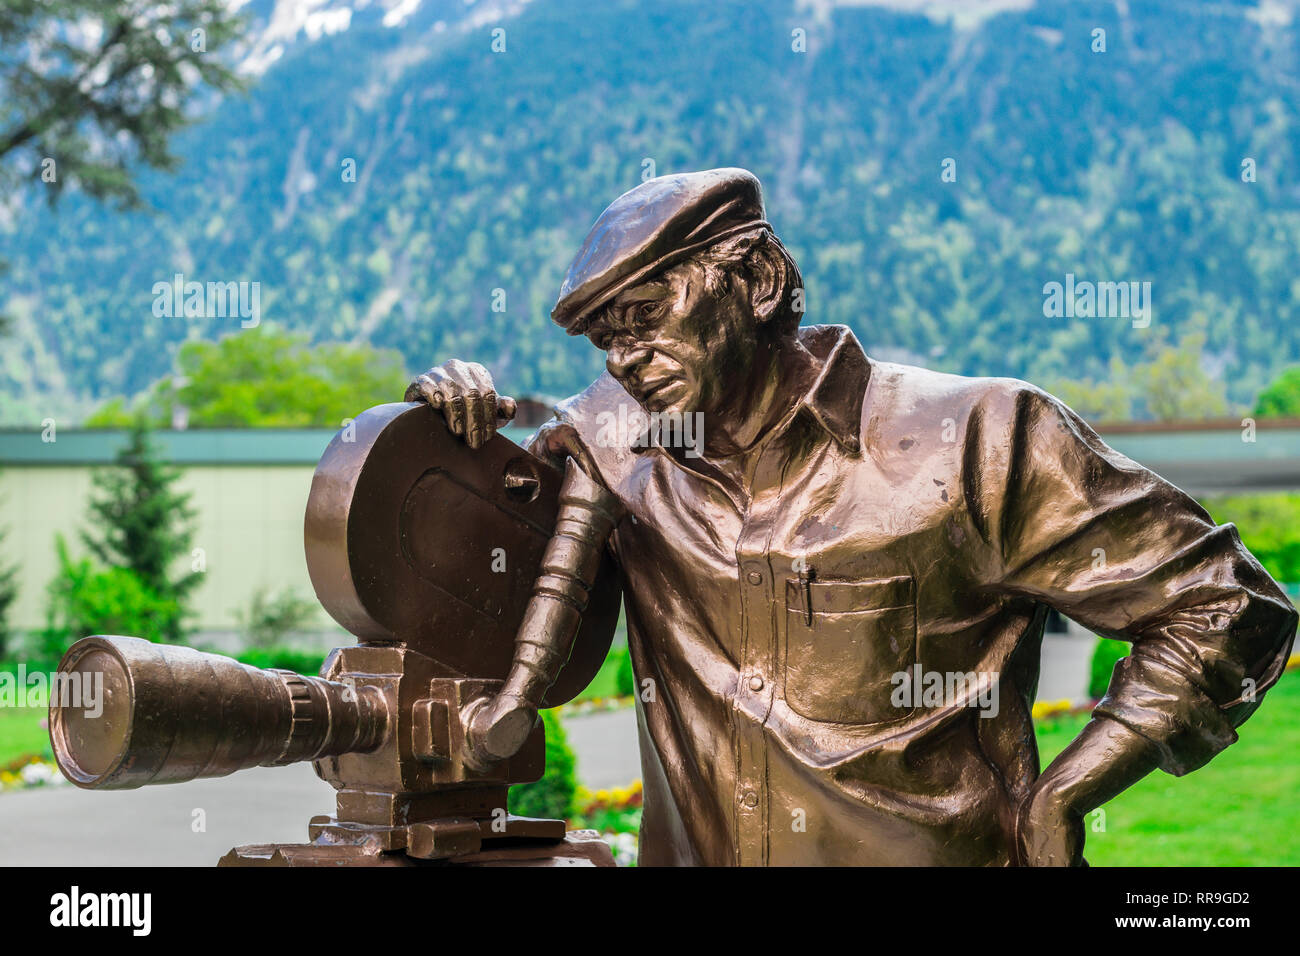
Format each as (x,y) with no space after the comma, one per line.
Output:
(576,848)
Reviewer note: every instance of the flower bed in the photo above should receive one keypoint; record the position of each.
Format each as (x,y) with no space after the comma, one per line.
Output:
(30,770)
(616,814)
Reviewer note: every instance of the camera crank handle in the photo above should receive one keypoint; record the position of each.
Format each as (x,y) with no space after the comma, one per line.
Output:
(496,727)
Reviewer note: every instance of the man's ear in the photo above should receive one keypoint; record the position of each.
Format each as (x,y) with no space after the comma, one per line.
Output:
(767,279)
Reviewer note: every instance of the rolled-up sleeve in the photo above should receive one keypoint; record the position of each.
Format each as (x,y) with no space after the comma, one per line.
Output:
(1073,524)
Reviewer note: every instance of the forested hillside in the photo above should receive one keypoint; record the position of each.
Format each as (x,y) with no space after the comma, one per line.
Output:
(479,170)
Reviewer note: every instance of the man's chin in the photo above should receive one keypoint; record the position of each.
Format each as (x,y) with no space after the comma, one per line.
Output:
(670,406)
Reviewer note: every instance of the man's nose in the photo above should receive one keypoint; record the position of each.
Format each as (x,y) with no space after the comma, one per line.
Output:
(625,355)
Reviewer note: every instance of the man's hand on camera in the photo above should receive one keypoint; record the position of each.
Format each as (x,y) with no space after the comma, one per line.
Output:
(464,393)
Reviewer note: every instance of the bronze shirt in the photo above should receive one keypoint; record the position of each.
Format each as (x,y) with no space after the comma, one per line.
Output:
(903,522)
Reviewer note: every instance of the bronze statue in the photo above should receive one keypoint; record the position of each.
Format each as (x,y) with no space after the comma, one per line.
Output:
(836,570)
(835,573)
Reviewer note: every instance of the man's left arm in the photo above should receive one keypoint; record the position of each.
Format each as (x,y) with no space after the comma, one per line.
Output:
(1086,530)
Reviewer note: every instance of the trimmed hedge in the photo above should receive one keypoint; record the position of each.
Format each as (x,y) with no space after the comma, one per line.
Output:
(553,795)
(286,658)
(1104,658)
(624,679)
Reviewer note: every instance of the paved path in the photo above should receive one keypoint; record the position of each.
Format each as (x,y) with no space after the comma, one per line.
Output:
(66,826)
(1067,663)
(154,826)
(605,744)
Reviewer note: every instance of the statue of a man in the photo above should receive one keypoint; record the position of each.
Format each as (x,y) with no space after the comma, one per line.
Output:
(837,570)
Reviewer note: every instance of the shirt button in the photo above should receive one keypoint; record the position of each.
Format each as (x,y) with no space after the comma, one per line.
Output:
(756,683)
(750,800)
(755,577)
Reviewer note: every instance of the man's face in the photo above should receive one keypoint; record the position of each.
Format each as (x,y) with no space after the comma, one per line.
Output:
(676,348)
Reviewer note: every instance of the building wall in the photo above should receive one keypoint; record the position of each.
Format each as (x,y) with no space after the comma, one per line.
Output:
(249,489)
(249,527)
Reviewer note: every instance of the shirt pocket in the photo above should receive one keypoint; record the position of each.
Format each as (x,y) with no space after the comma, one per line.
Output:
(843,652)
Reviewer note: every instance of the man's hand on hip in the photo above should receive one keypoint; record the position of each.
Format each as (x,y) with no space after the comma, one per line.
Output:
(464,392)
(1104,760)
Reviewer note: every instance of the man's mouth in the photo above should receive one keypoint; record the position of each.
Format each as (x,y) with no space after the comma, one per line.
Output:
(649,390)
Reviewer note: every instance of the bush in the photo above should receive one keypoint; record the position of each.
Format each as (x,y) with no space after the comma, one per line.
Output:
(553,795)
(270,616)
(1268,526)
(85,600)
(141,524)
(8,594)
(283,658)
(1281,399)
(624,679)
(1104,658)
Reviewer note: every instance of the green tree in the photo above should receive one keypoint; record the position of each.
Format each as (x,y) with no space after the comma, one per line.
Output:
(108,93)
(1174,384)
(8,594)
(267,378)
(270,616)
(143,525)
(1105,400)
(85,599)
(82,103)
(625,677)
(1281,399)
(1105,656)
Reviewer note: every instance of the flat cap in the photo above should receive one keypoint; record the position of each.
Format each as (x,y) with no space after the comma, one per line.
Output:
(654,226)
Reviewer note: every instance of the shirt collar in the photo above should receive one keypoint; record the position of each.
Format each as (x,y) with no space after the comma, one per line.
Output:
(835,399)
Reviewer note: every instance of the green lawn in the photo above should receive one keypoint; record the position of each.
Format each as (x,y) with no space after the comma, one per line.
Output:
(605,683)
(21,733)
(1241,809)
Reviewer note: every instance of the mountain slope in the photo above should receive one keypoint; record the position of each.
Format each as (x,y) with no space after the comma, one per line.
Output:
(478,171)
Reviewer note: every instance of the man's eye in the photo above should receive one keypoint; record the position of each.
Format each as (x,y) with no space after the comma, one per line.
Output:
(644,314)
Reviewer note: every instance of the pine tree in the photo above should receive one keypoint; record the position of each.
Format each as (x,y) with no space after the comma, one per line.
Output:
(144,525)
(86,105)
(8,594)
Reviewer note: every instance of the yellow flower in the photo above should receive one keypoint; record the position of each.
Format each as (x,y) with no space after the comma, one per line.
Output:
(1049,708)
